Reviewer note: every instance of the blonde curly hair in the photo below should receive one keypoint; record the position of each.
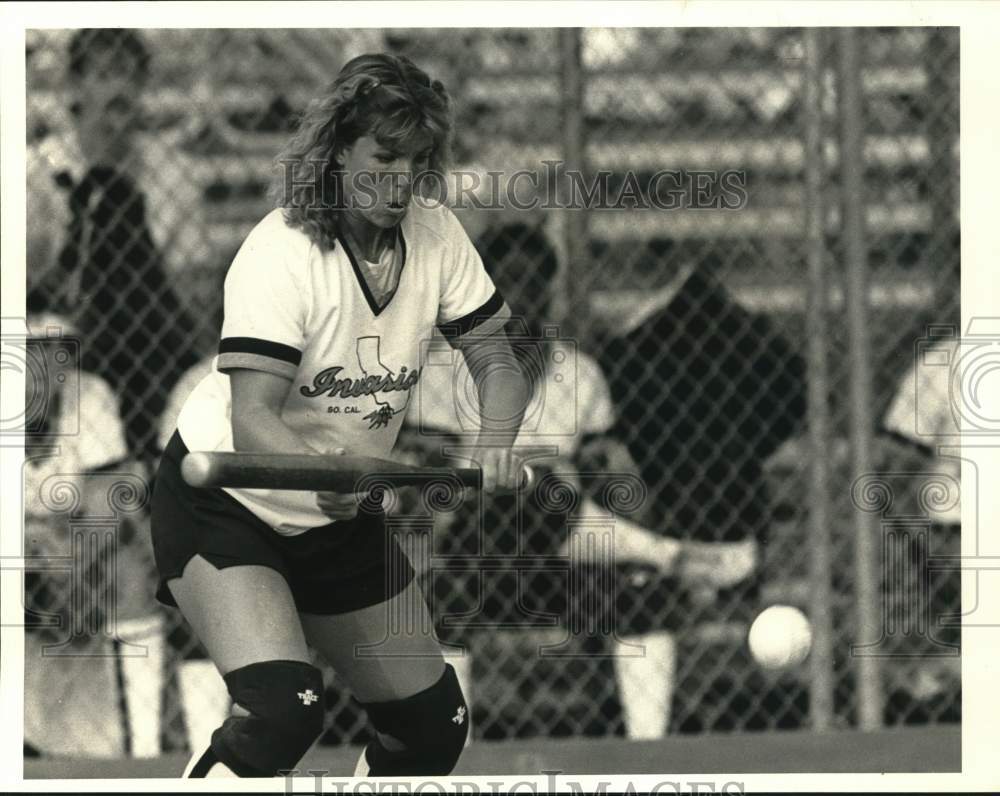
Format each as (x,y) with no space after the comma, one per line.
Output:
(381,95)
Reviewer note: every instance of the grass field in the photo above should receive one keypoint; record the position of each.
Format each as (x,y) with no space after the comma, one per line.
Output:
(917,750)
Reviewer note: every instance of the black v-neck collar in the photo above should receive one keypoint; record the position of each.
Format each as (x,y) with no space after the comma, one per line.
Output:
(373,304)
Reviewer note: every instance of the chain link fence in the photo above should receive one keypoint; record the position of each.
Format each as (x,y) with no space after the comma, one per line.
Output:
(686,285)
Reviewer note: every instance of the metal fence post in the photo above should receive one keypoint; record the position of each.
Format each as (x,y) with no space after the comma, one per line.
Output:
(942,129)
(821,559)
(853,209)
(574,159)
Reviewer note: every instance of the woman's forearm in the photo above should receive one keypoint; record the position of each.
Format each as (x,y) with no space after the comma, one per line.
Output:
(504,392)
(503,399)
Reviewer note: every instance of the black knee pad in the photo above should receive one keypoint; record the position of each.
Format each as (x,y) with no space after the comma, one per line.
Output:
(286,705)
(432,724)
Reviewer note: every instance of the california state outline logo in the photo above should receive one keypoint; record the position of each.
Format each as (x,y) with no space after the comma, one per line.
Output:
(378,384)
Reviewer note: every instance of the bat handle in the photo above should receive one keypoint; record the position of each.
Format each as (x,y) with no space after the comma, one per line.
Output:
(471,476)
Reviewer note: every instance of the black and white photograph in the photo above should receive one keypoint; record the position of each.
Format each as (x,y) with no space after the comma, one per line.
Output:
(499,397)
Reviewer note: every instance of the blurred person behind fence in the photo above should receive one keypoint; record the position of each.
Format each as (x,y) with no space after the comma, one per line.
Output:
(111,226)
(921,416)
(126,202)
(72,688)
(705,392)
(919,435)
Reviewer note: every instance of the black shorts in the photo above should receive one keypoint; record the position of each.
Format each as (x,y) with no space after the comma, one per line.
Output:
(332,569)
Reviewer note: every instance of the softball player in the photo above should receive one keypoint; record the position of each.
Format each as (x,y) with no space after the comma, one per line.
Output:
(326,305)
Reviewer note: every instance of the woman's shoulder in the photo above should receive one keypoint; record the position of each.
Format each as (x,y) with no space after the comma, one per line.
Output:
(270,248)
(274,230)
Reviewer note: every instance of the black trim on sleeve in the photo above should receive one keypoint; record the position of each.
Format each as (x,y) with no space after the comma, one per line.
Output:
(264,348)
(467,323)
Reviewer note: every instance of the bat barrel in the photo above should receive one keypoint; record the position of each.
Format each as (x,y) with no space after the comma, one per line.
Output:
(315,472)
(312,472)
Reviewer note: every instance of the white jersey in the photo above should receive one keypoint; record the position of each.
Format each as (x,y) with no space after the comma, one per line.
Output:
(929,421)
(297,311)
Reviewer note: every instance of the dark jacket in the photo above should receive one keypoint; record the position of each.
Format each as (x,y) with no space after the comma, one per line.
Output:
(705,392)
(134,331)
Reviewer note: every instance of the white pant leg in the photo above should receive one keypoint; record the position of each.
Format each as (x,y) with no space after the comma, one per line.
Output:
(141,657)
(646,683)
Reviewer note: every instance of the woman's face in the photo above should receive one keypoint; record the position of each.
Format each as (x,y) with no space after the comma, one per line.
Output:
(378,180)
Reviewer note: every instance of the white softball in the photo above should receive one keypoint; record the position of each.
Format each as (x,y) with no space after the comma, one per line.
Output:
(780,636)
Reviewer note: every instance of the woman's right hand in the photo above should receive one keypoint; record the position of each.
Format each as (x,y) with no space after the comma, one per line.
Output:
(340,505)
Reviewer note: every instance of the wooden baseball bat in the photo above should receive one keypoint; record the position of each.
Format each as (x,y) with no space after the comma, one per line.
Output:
(314,472)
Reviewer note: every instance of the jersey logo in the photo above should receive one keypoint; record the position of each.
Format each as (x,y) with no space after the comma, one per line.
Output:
(308,697)
(459,717)
(371,363)
(379,383)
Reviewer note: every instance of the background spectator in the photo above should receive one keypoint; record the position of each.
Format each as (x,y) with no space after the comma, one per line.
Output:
(79,439)
(110,276)
(705,392)
(919,421)
(109,236)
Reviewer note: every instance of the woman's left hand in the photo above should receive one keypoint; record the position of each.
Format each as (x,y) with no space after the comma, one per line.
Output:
(340,505)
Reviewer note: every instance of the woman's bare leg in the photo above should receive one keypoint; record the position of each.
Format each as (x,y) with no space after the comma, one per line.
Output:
(246,618)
